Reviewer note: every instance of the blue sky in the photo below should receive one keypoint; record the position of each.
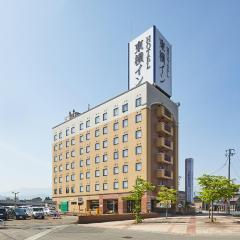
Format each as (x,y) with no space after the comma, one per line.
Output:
(58,55)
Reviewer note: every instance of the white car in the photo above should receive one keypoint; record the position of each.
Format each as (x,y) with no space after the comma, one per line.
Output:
(38,212)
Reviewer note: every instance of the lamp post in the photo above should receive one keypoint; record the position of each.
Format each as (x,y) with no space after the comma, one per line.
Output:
(15,198)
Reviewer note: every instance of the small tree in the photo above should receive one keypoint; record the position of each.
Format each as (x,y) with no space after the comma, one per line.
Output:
(140,188)
(214,188)
(167,196)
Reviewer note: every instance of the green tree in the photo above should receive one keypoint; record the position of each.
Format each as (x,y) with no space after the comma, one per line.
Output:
(140,188)
(215,188)
(166,196)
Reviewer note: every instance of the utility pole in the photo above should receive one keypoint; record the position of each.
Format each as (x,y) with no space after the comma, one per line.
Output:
(15,198)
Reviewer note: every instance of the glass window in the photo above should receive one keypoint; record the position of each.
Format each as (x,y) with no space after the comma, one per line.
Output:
(138,150)
(60,190)
(97,146)
(73,177)
(88,136)
(125,184)
(81,126)
(87,123)
(115,170)
(97,173)
(115,126)
(87,188)
(81,188)
(81,176)
(87,175)
(105,130)
(125,153)
(60,146)
(97,159)
(138,134)
(97,119)
(55,191)
(125,107)
(67,178)
(97,187)
(105,157)
(105,144)
(138,166)
(55,137)
(60,179)
(87,149)
(55,169)
(125,138)
(97,133)
(60,157)
(55,147)
(72,165)
(55,158)
(67,166)
(81,163)
(105,116)
(138,102)
(67,143)
(125,168)
(60,135)
(55,180)
(60,168)
(88,161)
(72,189)
(115,185)
(73,130)
(115,112)
(115,155)
(81,138)
(81,151)
(73,142)
(115,140)
(138,118)
(73,153)
(125,123)
(105,186)
(67,189)
(105,172)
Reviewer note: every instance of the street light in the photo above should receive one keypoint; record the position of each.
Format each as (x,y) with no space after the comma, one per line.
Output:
(15,198)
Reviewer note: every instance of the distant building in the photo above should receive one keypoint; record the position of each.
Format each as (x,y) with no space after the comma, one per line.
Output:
(189,179)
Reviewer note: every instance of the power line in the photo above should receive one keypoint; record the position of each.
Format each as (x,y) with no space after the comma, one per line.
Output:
(219,169)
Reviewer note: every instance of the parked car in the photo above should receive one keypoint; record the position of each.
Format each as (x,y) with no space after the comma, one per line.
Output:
(20,213)
(38,212)
(3,214)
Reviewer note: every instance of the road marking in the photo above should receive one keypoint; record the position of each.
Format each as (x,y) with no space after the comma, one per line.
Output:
(41,234)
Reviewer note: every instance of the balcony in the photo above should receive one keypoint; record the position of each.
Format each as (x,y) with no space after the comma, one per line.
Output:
(165,128)
(164,143)
(164,174)
(162,112)
(164,158)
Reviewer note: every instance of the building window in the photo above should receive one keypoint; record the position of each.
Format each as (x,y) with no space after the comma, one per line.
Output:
(97,173)
(87,161)
(125,138)
(81,188)
(97,119)
(105,172)
(87,188)
(125,107)
(55,191)
(67,178)
(105,157)
(115,140)
(81,163)
(88,136)
(55,169)
(105,116)
(97,133)
(60,168)
(115,170)
(87,175)
(73,153)
(105,144)
(72,165)
(72,189)
(73,142)
(97,159)
(73,177)
(138,102)
(60,190)
(87,123)
(81,139)
(105,186)
(55,180)
(138,150)
(115,185)
(81,176)
(60,179)
(97,146)
(60,135)
(73,130)
(55,147)
(115,112)
(138,118)
(60,157)
(105,130)
(67,189)
(125,168)
(97,187)
(60,146)
(115,155)
(115,126)
(125,184)
(67,143)
(67,155)
(138,166)
(67,166)
(55,158)
(81,126)
(55,137)
(125,123)
(138,134)
(81,151)
(125,153)
(87,149)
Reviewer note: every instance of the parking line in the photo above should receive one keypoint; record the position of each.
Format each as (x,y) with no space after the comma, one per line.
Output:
(41,234)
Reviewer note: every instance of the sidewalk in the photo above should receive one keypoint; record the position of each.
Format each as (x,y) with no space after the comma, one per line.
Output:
(184,225)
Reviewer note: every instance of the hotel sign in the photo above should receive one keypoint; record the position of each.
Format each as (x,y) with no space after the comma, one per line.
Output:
(150,59)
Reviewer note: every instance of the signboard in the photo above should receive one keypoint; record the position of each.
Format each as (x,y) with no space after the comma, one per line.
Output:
(80,200)
(150,59)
